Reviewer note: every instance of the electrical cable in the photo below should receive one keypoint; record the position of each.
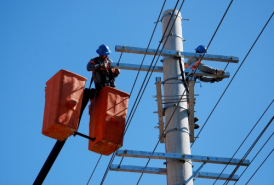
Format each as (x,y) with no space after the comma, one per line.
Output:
(156,23)
(161,136)
(182,94)
(139,91)
(254,157)
(250,148)
(259,166)
(94,169)
(143,57)
(249,133)
(248,152)
(155,63)
(233,78)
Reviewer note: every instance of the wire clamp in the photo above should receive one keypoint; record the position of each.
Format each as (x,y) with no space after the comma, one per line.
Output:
(184,129)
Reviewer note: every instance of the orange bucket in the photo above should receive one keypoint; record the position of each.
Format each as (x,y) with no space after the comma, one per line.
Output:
(107,120)
(64,93)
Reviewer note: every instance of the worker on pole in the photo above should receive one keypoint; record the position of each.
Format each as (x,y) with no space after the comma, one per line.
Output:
(102,72)
(201,66)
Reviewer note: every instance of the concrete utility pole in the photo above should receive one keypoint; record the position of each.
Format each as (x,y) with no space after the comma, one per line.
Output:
(178,172)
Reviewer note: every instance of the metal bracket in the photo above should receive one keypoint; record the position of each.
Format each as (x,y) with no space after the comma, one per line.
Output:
(163,171)
(169,106)
(160,108)
(184,129)
(210,57)
(173,34)
(162,60)
(191,101)
(176,156)
(172,78)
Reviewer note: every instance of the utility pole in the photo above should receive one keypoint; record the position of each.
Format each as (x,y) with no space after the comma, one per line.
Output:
(176,141)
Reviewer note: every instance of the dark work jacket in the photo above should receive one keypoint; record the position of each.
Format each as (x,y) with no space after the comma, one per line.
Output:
(102,76)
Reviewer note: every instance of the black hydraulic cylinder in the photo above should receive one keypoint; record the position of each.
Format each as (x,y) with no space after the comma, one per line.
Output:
(49,162)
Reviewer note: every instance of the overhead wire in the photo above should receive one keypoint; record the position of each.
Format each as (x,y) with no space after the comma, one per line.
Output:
(153,61)
(185,89)
(260,166)
(128,122)
(254,157)
(138,70)
(232,78)
(248,134)
(94,169)
(247,153)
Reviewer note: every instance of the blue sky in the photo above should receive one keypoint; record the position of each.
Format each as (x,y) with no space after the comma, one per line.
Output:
(38,38)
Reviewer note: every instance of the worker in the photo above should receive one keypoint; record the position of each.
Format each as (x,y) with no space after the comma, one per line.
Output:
(201,66)
(102,72)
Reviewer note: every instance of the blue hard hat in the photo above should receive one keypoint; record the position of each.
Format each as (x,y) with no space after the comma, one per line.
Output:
(103,50)
(201,49)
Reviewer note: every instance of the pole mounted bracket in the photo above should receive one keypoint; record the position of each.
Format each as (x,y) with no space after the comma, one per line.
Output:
(178,53)
(160,109)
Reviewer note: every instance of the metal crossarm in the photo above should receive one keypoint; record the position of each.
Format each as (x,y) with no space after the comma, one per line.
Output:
(163,171)
(137,50)
(174,156)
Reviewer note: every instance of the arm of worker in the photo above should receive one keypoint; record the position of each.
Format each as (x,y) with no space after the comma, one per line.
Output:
(209,79)
(91,66)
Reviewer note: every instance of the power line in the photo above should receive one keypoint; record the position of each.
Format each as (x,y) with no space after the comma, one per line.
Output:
(247,153)
(182,93)
(156,23)
(94,169)
(130,117)
(248,135)
(152,68)
(259,166)
(254,157)
(233,78)
(138,70)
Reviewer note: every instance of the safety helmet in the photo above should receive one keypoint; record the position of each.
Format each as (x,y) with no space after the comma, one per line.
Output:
(201,49)
(103,50)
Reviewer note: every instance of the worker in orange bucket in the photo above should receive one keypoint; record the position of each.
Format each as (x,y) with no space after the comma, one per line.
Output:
(102,72)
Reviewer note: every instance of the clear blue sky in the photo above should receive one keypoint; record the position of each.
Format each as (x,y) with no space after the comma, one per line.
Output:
(38,38)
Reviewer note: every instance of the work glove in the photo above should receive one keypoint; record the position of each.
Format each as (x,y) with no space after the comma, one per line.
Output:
(103,64)
(216,80)
(220,72)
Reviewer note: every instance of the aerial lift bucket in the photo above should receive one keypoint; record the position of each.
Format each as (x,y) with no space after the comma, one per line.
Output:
(64,93)
(107,120)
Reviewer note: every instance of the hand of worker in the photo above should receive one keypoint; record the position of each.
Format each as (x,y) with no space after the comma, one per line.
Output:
(117,71)
(216,80)
(103,64)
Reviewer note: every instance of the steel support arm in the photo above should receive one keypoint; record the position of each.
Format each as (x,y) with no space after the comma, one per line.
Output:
(137,50)
(162,171)
(193,158)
